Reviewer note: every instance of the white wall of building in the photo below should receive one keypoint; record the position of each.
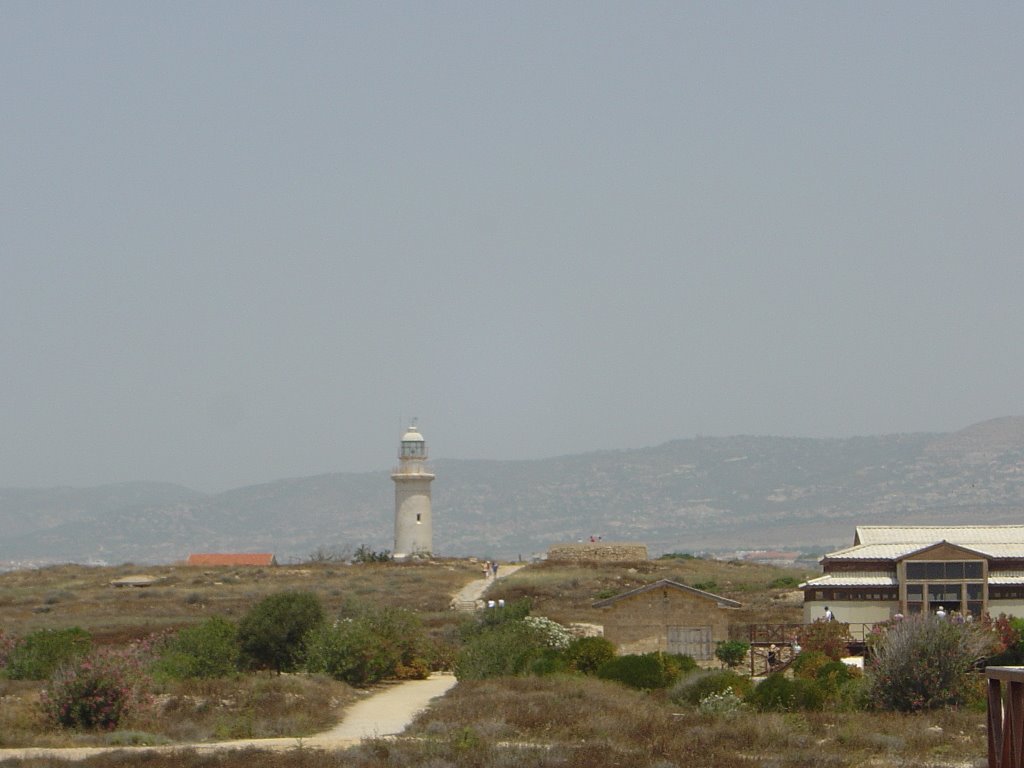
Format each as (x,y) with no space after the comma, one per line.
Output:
(852,612)
(414,530)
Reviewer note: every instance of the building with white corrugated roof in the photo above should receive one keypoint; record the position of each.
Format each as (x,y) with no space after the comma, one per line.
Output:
(890,569)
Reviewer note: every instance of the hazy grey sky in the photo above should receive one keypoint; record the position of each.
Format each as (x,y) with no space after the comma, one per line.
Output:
(243,240)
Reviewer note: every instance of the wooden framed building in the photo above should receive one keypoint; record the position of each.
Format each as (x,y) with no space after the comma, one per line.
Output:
(667,616)
(969,569)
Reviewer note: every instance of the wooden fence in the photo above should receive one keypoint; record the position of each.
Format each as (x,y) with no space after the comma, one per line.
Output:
(1005,717)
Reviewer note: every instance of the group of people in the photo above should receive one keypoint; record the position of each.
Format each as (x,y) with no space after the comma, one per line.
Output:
(490,569)
(954,616)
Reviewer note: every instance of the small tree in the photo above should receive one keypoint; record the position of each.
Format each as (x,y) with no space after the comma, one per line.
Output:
(732,653)
(272,634)
(830,637)
(924,662)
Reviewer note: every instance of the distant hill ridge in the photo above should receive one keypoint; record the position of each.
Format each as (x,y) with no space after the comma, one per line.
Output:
(705,493)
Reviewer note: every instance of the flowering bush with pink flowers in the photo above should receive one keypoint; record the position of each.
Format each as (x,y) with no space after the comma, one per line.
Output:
(98,691)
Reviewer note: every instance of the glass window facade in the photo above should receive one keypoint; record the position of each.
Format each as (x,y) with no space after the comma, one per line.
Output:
(954,585)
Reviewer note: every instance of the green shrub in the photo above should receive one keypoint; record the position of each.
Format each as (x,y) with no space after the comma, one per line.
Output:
(347,651)
(371,644)
(695,687)
(7,644)
(724,704)
(491,617)
(550,662)
(680,662)
(835,670)
(272,634)
(646,671)
(732,653)
(401,637)
(808,663)
(40,653)
(853,694)
(924,662)
(206,650)
(364,554)
(773,694)
(586,654)
(505,649)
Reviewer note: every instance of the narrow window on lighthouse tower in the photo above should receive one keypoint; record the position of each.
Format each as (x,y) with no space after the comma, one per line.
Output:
(417,518)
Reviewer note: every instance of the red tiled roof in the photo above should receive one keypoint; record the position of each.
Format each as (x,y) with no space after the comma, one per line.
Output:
(219,558)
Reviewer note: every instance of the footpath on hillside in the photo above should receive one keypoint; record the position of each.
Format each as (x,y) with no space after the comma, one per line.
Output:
(384,712)
(470,597)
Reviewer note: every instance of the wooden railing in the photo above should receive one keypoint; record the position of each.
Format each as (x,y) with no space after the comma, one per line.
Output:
(1005,717)
(790,633)
(774,646)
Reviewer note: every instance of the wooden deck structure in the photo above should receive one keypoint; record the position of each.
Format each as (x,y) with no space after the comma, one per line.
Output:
(1005,717)
(774,646)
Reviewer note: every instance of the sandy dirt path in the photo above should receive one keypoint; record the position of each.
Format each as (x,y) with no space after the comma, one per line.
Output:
(468,597)
(385,712)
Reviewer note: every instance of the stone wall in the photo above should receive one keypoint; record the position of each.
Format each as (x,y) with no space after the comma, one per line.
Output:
(598,551)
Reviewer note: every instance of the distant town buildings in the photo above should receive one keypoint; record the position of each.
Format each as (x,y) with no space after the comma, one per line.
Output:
(414,532)
(965,570)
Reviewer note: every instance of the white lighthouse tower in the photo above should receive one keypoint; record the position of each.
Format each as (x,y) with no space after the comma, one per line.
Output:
(414,532)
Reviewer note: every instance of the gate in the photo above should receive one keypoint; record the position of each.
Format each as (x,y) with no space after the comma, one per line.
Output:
(693,641)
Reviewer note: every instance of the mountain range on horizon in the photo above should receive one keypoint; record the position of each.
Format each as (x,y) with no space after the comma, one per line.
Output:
(690,495)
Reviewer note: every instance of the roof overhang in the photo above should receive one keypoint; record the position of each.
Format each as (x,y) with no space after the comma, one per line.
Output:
(723,602)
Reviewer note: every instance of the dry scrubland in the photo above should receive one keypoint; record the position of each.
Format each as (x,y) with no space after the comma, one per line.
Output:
(550,721)
(74,595)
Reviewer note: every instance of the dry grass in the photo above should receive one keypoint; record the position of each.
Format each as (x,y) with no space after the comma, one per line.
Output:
(249,707)
(76,595)
(588,723)
(645,730)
